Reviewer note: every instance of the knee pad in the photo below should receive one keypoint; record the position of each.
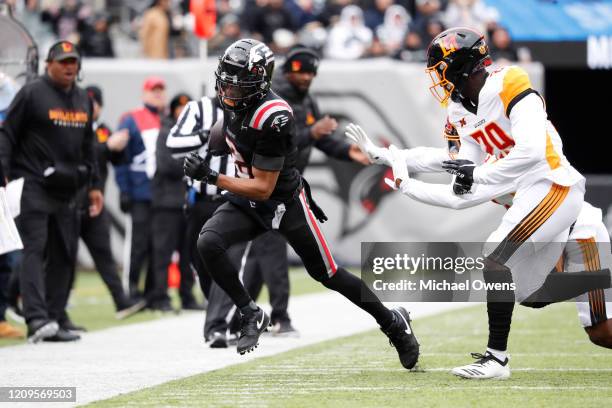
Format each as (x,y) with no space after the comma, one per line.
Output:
(210,244)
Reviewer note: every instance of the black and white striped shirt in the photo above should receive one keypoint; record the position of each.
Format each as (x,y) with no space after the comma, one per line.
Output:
(190,133)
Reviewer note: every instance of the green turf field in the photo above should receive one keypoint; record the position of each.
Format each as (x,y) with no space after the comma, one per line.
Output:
(553,363)
(91,304)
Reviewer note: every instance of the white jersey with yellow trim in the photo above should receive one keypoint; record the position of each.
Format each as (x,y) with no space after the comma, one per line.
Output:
(511,124)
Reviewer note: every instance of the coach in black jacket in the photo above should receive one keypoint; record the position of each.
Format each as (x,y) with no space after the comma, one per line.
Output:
(47,138)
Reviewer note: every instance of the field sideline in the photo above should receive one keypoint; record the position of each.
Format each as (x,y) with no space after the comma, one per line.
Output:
(553,364)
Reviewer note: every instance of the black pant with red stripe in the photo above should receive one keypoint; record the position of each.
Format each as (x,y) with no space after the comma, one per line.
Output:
(231,224)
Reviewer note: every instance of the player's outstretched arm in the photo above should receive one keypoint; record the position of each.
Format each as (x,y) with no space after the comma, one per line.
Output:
(441,195)
(376,154)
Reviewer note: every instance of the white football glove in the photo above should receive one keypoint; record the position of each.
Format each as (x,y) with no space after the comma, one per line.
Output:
(398,164)
(377,155)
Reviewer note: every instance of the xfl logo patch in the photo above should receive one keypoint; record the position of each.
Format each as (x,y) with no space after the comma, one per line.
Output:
(279,122)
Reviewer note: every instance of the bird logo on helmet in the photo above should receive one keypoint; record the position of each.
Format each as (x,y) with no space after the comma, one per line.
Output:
(244,74)
(452,57)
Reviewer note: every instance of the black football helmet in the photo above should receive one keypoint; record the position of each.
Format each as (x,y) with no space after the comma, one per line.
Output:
(244,74)
(452,57)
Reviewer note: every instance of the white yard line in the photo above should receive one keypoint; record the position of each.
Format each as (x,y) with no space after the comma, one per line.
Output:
(115,361)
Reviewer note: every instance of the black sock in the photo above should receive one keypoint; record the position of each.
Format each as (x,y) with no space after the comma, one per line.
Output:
(500,305)
(353,288)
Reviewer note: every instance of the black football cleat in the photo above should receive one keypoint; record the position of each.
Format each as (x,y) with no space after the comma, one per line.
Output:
(252,324)
(401,337)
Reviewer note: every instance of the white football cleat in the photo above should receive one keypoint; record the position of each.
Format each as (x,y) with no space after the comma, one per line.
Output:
(487,367)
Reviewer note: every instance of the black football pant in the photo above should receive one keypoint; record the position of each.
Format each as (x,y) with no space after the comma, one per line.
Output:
(267,262)
(230,225)
(141,247)
(95,233)
(50,240)
(197,215)
(169,226)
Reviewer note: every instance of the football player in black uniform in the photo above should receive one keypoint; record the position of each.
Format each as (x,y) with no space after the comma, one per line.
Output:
(269,193)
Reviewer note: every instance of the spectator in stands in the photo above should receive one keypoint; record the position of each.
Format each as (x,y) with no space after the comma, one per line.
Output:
(302,12)
(95,40)
(155,30)
(330,14)
(393,31)
(414,46)
(67,20)
(502,49)
(470,13)
(427,10)
(266,17)
(229,32)
(349,38)
(374,15)
(134,180)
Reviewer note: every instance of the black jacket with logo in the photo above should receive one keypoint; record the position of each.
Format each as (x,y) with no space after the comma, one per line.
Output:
(47,127)
(306,113)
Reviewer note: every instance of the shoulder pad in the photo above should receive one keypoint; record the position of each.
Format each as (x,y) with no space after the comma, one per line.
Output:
(516,82)
(266,110)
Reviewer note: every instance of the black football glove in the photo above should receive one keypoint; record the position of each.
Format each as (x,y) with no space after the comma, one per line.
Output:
(464,170)
(196,167)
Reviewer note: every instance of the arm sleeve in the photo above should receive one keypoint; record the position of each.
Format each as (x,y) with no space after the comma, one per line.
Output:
(338,149)
(11,128)
(441,195)
(528,121)
(272,142)
(425,159)
(188,133)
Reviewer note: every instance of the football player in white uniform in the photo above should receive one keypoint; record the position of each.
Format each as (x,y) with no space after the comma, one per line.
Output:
(587,248)
(499,114)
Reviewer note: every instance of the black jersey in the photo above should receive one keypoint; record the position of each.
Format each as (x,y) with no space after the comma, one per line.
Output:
(264,137)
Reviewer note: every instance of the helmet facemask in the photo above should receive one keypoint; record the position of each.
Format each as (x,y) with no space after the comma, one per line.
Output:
(441,87)
(237,95)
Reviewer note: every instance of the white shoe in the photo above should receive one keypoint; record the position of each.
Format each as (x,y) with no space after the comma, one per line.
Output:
(487,367)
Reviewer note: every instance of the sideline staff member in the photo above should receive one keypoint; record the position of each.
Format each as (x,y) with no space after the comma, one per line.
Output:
(47,138)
